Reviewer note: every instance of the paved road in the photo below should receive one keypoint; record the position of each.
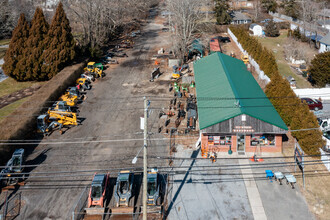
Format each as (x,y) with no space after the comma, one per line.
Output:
(112,110)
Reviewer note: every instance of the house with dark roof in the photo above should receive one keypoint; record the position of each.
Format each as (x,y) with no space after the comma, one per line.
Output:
(233,111)
(325,43)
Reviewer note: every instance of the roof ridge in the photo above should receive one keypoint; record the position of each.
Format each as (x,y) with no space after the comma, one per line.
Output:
(230,81)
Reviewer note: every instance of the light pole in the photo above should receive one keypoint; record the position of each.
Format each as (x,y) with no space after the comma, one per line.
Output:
(145,132)
(145,159)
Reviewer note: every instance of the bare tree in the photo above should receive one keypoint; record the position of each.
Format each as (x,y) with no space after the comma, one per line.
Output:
(9,14)
(185,15)
(293,49)
(99,19)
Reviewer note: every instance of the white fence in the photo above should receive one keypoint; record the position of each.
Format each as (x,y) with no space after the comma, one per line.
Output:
(261,73)
(323,93)
(325,159)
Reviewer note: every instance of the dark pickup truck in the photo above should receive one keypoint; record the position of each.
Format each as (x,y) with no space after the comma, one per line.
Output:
(224,39)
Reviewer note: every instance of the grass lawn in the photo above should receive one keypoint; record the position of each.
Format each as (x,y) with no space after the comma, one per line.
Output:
(276,45)
(2,52)
(7,110)
(10,85)
(4,41)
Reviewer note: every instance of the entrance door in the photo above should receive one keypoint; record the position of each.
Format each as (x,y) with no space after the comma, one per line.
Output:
(241,143)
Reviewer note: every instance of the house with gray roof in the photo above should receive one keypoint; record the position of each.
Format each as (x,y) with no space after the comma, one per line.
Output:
(240,18)
(325,43)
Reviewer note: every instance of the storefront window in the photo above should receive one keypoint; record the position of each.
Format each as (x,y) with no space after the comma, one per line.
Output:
(219,140)
(263,139)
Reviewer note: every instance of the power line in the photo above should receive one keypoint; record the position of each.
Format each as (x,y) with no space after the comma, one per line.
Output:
(164,168)
(96,163)
(37,141)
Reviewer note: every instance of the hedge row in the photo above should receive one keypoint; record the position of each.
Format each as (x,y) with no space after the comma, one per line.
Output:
(260,54)
(295,114)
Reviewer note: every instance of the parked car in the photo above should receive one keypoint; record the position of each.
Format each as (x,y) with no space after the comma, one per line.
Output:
(224,39)
(313,104)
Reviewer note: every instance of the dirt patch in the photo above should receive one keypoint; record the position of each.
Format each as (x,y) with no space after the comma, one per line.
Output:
(8,99)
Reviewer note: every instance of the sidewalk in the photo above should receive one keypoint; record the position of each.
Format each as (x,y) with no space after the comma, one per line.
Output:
(207,192)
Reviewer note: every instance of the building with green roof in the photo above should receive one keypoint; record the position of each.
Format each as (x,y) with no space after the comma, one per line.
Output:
(233,111)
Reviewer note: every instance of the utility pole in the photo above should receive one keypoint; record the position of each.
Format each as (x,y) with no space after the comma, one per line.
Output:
(145,159)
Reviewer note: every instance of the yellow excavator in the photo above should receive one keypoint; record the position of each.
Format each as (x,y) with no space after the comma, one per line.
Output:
(72,96)
(56,117)
(96,69)
(83,84)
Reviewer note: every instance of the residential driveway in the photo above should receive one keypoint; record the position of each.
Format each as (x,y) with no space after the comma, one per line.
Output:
(206,193)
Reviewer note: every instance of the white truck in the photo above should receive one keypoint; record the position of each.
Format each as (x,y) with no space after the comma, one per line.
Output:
(326,137)
(324,124)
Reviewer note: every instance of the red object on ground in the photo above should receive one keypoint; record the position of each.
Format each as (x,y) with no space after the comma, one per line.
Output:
(256,160)
(214,45)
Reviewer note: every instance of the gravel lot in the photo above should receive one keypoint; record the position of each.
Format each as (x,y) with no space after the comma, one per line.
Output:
(111,111)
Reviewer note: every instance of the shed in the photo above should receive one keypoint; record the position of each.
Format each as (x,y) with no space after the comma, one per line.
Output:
(256,29)
(325,43)
(233,110)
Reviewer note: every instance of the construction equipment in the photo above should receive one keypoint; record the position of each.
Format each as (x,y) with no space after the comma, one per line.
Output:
(176,73)
(95,69)
(55,118)
(245,58)
(124,197)
(69,100)
(99,70)
(72,96)
(98,194)
(63,106)
(155,74)
(11,174)
(90,77)
(83,84)
(154,192)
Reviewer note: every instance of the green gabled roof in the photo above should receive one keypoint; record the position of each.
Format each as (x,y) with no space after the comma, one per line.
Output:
(225,89)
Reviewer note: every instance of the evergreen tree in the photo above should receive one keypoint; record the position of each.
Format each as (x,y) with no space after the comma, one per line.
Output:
(269,5)
(309,140)
(60,44)
(14,65)
(320,69)
(291,8)
(221,12)
(272,29)
(36,44)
